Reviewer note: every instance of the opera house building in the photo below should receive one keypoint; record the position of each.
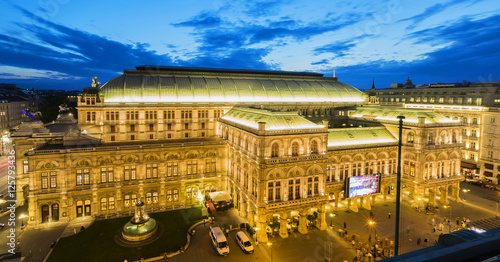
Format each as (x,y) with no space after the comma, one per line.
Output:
(282,144)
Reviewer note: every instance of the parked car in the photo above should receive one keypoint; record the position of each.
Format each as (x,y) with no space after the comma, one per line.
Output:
(244,242)
(219,241)
(2,225)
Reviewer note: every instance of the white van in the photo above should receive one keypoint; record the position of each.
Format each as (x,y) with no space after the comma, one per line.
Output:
(219,241)
(244,242)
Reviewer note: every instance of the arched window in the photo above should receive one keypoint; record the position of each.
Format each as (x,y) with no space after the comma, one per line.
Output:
(295,149)
(411,137)
(314,147)
(275,150)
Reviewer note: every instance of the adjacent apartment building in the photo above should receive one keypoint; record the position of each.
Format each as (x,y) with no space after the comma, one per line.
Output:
(475,104)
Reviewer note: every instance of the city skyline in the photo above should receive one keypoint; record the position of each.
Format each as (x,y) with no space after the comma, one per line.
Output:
(62,44)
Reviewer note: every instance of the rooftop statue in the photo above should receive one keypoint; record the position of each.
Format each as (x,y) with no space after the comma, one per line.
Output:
(95,83)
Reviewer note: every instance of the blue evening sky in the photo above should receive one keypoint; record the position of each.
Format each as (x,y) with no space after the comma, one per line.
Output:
(62,44)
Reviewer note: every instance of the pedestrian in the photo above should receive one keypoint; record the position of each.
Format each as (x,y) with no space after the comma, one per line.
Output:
(426,240)
(165,256)
(418,241)
(82,228)
(345,225)
(369,238)
(433,221)
(74,230)
(390,214)
(434,229)
(458,220)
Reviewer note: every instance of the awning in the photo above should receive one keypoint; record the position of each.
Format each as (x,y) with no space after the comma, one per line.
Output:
(220,196)
(468,165)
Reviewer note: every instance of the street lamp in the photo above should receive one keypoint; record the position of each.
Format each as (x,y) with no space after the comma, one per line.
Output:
(372,223)
(331,220)
(256,234)
(271,246)
(22,216)
(465,193)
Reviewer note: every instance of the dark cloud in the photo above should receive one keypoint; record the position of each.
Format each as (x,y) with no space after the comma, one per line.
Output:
(433,10)
(339,49)
(321,62)
(204,19)
(73,52)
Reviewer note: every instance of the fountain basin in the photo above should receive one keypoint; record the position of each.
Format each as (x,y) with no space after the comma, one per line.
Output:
(139,232)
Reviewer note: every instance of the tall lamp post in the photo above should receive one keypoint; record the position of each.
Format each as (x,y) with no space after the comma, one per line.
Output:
(22,216)
(465,193)
(331,220)
(271,246)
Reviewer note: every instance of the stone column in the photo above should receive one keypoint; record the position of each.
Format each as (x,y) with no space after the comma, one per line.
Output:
(365,202)
(352,204)
(455,190)
(243,208)
(432,197)
(444,196)
(283,223)
(250,218)
(321,219)
(302,224)
(261,232)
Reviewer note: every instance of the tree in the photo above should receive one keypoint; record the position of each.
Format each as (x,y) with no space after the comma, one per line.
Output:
(49,107)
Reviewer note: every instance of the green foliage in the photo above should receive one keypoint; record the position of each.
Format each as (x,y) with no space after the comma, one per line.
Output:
(49,107)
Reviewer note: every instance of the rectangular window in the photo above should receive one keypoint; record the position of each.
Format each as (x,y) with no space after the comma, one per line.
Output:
(112,129)
(172,168)
(169,126)
(129,173)
(25,166)
(151,115)
(270,191)
(151,171)
(45,183)
(151,127)
(132,128)
(132,137)
(53,179)
(210,165)
(186,114)
(191,167)
(490,155)
(132,115)
(492,120)
(169,114)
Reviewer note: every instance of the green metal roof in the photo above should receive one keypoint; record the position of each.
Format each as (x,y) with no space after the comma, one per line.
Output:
(171,85)
(250,117)
(359,136)
(391,114)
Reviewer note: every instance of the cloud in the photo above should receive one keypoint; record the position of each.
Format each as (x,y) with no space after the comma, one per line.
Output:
(431,11)
(339,49)
(472,52)
(48,46)
(204,19)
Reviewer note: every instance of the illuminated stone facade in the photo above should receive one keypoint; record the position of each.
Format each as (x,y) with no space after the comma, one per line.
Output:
(265,137)
(475,104)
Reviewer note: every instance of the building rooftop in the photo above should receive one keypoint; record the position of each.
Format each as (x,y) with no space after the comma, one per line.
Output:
(156,84)
(391,114)
(359,137)
(250,117)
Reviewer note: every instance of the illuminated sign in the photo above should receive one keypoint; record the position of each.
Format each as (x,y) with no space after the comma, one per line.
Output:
(362,185)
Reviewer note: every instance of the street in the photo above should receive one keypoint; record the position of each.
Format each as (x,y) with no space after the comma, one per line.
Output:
(480,203)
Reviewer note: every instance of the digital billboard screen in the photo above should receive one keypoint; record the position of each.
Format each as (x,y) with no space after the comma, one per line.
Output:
(362,185)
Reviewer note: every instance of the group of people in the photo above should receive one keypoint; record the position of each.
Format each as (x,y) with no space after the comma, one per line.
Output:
(460,223)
